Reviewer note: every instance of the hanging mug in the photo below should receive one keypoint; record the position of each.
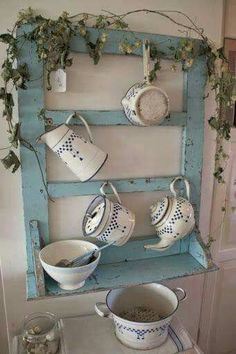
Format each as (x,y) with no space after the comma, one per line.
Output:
(108,221)
(145,104)
(172,217)
(82,157)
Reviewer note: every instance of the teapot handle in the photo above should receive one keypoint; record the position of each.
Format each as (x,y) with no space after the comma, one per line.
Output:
(146,61)
(84,122)
(107,183)
(187,186)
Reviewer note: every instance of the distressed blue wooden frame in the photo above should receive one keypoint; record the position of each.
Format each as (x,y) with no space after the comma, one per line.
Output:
(130,264)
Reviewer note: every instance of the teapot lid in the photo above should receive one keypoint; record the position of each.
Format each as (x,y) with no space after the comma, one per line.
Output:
(94,215)
(158,210)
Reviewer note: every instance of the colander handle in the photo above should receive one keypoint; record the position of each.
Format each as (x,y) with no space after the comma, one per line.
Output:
(146,61)
(84,122)
(105,312)
(187,186)
(183,294)
(108,183)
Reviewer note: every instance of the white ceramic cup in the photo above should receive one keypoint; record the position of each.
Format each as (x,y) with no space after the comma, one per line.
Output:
(152,306)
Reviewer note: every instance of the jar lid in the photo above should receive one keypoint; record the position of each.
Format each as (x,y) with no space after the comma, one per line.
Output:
(94,216)
(158,210)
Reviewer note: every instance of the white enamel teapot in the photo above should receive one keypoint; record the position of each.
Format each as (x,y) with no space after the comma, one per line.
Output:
(145,104)
(108,221)
(172,216)
(79,154)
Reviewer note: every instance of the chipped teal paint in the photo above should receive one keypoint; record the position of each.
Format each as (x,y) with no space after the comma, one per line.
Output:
(69,189)
(36,247)
(30,101)
(111,118)
(116,275)
(195,129)
(130,264)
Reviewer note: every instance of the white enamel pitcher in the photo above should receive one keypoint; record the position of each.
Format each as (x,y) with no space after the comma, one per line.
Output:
(82,157)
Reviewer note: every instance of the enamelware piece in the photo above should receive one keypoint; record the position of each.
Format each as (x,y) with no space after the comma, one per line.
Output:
(173,217)
(82,157)
(146,104)
(141,314)
(68,278)
(109,221)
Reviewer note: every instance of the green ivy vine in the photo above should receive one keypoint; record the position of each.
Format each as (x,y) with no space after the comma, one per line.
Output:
(52,39)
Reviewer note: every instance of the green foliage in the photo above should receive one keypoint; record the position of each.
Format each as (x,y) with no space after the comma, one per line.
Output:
(52,38)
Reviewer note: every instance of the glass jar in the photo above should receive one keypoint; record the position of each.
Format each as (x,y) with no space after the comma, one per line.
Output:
(41,333)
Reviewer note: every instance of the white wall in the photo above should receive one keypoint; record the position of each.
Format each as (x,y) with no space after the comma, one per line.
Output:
(12,252)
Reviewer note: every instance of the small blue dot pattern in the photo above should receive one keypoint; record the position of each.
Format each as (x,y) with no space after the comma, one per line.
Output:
(130,113)
(156,216)
(114,224)
(140,333)
(67,146)
(178,215)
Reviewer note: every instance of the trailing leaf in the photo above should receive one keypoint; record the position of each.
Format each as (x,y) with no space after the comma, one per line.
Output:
(15,136)
(11,161)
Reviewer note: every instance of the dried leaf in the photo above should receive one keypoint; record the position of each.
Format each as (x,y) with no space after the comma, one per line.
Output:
(11,160)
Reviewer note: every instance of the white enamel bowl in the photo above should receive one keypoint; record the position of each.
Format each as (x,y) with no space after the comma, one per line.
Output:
(141,314)
(68,278)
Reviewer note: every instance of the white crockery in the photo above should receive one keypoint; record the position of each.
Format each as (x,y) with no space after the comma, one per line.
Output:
(173,217)
(82,157)
(109,221)
(68,278)
(145,104)
(152,306)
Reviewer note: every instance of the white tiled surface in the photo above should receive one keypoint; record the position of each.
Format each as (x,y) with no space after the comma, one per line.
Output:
(94,335)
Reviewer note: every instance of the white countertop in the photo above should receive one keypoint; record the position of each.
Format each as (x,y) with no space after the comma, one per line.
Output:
(95,335)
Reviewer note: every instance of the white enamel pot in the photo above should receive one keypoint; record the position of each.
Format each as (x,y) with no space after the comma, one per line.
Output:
(141,314)
(108,221)
(82,157)
(145,104)
(172,217)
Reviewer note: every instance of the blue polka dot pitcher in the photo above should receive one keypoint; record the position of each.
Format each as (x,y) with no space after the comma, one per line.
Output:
(81,156)
(108,221)
(172,217)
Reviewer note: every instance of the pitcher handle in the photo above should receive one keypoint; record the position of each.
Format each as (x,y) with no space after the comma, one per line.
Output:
(182,291)
(146,61)
(108,183)
(187,186)
(106,314)
(84,122)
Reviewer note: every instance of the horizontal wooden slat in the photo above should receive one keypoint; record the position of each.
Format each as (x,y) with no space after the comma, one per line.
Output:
(116,36)
(111,118)
(110,276)
(70,189)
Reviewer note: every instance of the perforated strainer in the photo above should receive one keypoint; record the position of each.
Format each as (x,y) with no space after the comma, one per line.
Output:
(146,104)
(140,314)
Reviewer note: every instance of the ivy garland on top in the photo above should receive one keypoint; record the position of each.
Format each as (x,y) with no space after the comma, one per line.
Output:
(52,39)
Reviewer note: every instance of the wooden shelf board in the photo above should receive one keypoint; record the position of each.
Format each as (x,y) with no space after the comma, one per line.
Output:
(109,276)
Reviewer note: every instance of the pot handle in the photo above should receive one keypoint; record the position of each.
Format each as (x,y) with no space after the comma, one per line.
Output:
(84,122)
(187,186)
(108,183)
(146,61)
(182,291)
(106,313)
